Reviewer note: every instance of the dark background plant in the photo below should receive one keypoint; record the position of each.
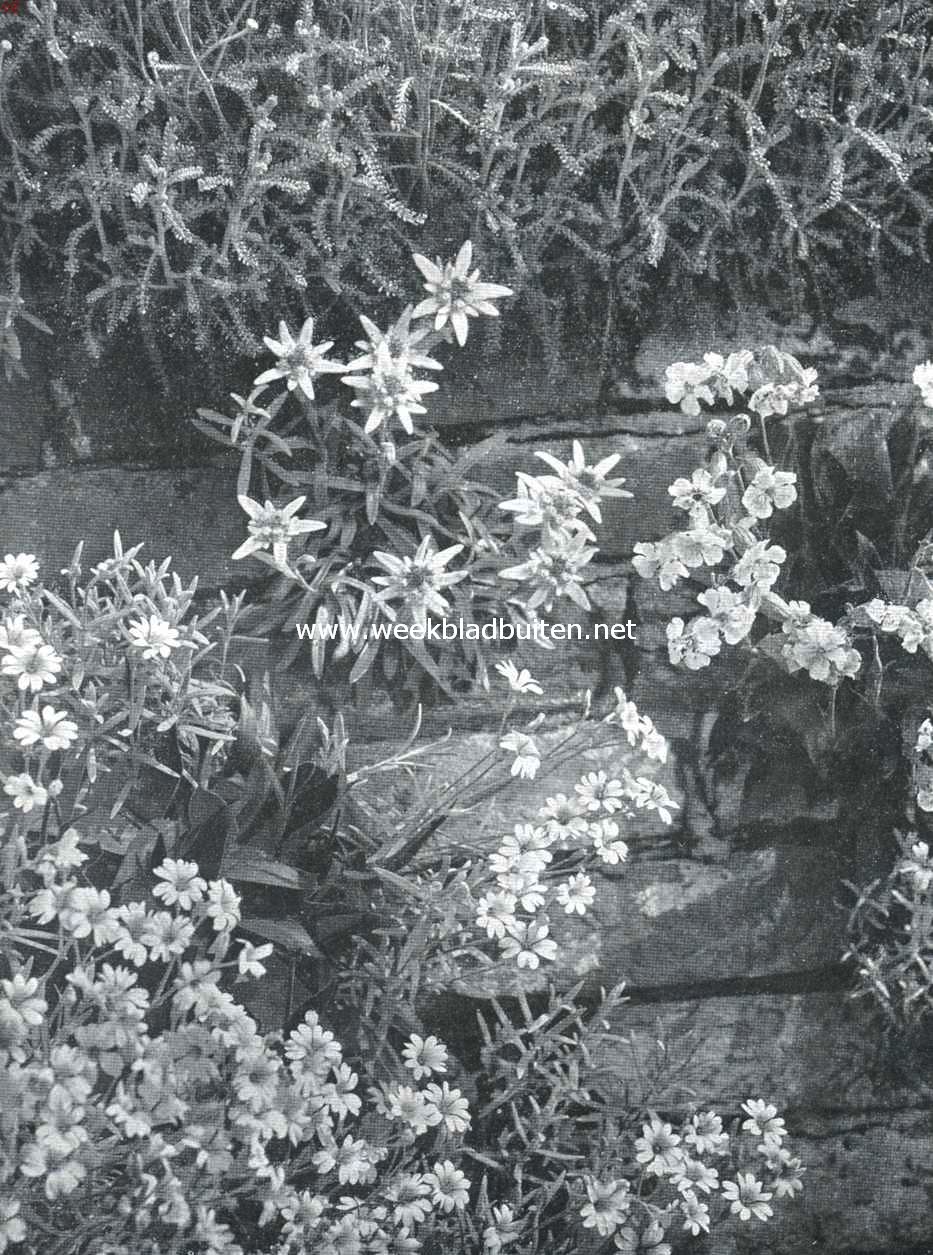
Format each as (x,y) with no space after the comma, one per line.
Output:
(196,171)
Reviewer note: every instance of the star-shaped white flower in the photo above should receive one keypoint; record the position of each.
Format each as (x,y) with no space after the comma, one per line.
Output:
(455,294)
(300,360)
(271,528)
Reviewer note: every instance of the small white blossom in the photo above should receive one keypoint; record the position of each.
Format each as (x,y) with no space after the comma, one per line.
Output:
(18,572)
(153,636)
(51,727)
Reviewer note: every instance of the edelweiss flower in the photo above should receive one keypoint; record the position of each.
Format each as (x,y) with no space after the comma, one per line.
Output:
(17,572)
(388,389)
(548,502)
(153,636)
(300,361)
(271,528)
(454,293)
(399,340)
(417,580)
(554,571)
(590,483)
(52,727)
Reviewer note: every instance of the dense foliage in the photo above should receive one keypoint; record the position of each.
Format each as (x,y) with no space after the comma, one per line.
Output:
(205,167)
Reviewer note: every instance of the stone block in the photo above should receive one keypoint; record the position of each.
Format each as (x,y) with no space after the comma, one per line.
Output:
(190,514)
(866,1142)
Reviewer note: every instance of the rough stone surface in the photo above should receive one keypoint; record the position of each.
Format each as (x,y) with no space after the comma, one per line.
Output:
(190,514)
(867,1142)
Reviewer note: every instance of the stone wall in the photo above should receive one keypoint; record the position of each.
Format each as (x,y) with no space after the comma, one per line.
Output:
(731,955)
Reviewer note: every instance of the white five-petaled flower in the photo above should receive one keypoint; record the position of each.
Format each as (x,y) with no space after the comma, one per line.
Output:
(693,644)
(607,1205)
(14,634)
(527,755)
(576,895)
(528,943)
(424,1056)
(730,611)
(388,389)
(300,360)
(769,490)
(27,795)
(450,1187)
(33,666)
(417,580)
(697,495)
(688,384)
(747,1197)
(763,1121)
(153,636)
(495,913)
(454,293)
(759,566)
(50,726)
(250,959)
(451,1105)
(271,528)
(180,883)
(519,681)
(17,572)
(223,905)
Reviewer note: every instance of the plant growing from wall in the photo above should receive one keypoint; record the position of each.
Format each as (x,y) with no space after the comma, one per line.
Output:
(197,167)
(156,1101)
(402,539)
(819,576)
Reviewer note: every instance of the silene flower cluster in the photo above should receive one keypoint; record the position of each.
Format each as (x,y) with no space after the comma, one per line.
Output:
(725,546)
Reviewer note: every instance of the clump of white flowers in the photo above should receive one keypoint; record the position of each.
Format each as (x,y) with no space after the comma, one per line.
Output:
(729,503)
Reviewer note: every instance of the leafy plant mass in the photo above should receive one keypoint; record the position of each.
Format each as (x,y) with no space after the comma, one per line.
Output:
(145,1106)
(198,168)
